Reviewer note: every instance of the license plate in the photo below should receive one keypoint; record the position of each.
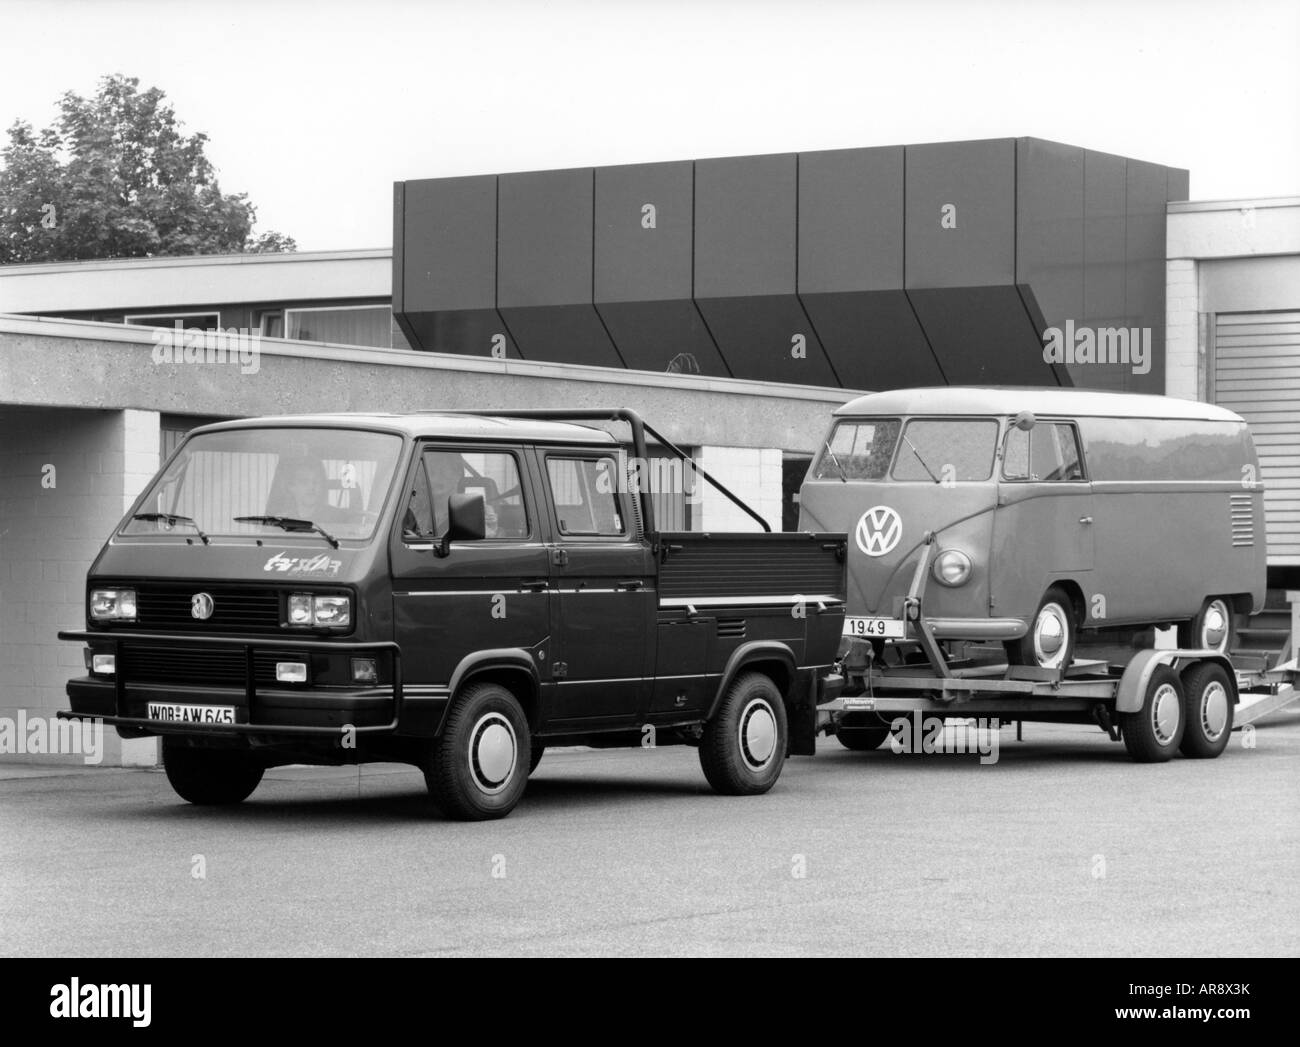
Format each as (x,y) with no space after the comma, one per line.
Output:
(886,628)
(174,712)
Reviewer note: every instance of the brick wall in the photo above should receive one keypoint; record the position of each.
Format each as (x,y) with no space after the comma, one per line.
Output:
(752,474)
(1184,348)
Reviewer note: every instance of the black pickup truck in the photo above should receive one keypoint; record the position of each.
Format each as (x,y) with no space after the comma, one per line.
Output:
(456,591)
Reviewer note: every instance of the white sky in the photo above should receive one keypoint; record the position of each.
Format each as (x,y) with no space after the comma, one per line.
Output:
(315,108)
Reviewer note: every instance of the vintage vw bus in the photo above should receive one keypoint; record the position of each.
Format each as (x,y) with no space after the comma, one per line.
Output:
(1056,513)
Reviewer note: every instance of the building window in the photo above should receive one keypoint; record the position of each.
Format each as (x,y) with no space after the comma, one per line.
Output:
(188,321)
(343,325)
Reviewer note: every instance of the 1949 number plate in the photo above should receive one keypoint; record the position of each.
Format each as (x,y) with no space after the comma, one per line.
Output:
(887,628)
(173,712)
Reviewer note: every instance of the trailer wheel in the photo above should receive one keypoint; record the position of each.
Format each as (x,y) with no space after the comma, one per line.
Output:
(476,769)
(539,750)
(861,732)
(1154,732)
(1207,708)
(1213,628)
(210,777)
(743,747)
(1049,644)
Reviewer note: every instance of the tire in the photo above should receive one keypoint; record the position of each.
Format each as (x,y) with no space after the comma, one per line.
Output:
(1154,733)
(1213,629)
(210,777)
(1207,711)
(535,757)
(861,732)
(1049,644)
(474,769)
(743,747)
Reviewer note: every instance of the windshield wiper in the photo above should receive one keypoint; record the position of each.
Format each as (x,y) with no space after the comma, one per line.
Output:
(290,523)
(920,459)
(172,520)
(844,477)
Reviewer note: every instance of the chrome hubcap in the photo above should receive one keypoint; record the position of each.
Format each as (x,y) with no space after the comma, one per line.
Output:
(1165,714)
(1214,626)
(1214,711)
(493,753)
(1051,628)
(757,734)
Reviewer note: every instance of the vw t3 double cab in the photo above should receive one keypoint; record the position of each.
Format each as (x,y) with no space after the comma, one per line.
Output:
(449,590)
(1040,521)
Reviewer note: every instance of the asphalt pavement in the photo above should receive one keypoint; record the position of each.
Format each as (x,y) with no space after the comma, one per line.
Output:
(1062,847)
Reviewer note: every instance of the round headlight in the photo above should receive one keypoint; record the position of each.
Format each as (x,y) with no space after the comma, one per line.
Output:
(952,567)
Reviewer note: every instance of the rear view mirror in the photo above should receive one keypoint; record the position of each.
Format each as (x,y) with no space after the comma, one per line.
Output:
(466,521)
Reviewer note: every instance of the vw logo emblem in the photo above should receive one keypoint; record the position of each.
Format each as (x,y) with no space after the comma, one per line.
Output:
(878,530)
(201,606)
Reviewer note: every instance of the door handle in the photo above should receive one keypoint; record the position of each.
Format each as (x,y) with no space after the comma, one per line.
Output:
(535,585)
(631,585)
(1085,519)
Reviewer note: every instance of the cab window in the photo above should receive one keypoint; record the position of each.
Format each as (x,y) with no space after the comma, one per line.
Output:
(440,473)
(585,491)
(1047,453)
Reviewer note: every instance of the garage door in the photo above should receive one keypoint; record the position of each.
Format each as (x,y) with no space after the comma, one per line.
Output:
(1257,374)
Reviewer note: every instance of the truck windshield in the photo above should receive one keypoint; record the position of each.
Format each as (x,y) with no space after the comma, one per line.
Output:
(858,450)
(336,479)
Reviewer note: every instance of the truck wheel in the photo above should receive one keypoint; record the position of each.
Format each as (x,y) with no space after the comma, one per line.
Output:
(1154,732)
(476,769)
(1213,628)
(743,747)
(539,750)
(1207,710)
(861,732)
(210,777)
(1049,644)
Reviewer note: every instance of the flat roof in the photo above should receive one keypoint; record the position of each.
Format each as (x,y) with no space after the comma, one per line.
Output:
(1006,400)
(448,425)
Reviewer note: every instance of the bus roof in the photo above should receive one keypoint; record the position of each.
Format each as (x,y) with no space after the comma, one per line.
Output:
(1009,400)
(446,425)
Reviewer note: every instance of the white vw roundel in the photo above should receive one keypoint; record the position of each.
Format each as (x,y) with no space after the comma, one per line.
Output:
(878,530)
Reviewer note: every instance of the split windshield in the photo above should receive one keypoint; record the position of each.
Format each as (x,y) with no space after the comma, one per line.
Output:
(336,479)
(938,450)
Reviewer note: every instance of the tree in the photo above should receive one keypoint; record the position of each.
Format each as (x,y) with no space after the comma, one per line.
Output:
(115,177)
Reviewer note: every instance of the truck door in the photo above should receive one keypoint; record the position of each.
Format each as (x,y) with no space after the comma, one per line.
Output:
(488,594)
(1043,528)
(604,579)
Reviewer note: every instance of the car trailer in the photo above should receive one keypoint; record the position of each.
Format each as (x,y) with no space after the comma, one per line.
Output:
(1160,701)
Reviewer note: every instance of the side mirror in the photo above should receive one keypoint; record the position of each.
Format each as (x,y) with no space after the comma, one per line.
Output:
(466,521)
(1024,421)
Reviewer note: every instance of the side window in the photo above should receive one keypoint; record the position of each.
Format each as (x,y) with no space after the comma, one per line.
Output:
(585,493)
(1048,453)
(493,474)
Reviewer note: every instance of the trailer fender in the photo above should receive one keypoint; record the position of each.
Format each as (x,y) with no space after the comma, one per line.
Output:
(1137,674)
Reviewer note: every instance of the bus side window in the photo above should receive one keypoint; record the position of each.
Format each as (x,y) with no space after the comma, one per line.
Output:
(1054,453)
(1015,455)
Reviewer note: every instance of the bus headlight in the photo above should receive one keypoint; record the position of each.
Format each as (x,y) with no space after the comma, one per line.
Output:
(112,605)
(952,567)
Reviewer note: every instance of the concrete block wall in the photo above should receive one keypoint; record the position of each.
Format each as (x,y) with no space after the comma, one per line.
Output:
(1184,341)
(69,476)
(753,474)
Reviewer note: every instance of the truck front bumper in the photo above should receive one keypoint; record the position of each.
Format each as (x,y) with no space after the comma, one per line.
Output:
(258,709)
